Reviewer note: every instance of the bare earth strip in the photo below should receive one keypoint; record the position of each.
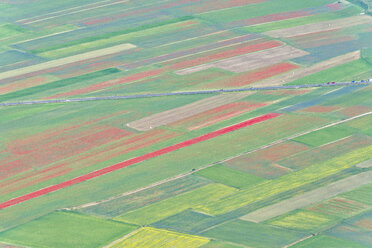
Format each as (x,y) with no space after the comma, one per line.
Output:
(185,111)
(300,73)
(365,164)
(319,26)
(66,60)
(310,197)
(250,61)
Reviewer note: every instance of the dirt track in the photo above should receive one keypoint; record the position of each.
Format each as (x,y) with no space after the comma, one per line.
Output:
(250,61)
(320,26)
(185,111)
(310,197)
(300,73)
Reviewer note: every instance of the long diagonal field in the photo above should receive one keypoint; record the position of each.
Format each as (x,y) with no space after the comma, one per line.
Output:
(136,160)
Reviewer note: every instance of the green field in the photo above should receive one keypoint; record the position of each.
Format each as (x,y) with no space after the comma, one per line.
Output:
(304,220)
(123,204)
(260,9)
(9,30)
(65,229)
(57,84)
(109,38)
(252,234)
(176,204)
(342,73)
(148,237)
(324,136)
(260,28)
(219,244)
(230,177)
(362,194)
(327,241)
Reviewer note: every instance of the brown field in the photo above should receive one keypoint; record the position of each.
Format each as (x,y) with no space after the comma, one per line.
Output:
(185,111)
(320,109)
(354,110)
(250,61)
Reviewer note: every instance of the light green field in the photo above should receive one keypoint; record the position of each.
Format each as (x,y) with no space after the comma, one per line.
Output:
(303,220)
(160,210)
(260,9)
(231,177)
(252,234)
(286,182)
(66,229)
(148,237)
(327,241)
(219,244)
(260,28)
(9,30)
(324,136)
(109,39)
(120,205)
(342,73)
(363,124)
(362,194)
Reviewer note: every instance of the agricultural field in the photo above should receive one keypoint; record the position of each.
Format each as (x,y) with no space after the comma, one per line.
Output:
(185,123)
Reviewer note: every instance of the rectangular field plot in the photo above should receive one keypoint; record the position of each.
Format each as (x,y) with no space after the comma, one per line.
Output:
(340,207)
(348,71)
(187,221)
(66,229)
(148,237)
(220,244)
(9,30)
(327,241)
(293,22)
(264,163)
(140,199)
(362,194)
(363,124)
(304,220)
(324,136)
(28,91)
(252,234)
(176,204)
(325,152)
(260,9)
(185,111)
(230,177)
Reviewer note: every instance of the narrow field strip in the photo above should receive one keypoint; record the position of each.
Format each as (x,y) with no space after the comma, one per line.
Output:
(66,60)
(185,93)
(136,160)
